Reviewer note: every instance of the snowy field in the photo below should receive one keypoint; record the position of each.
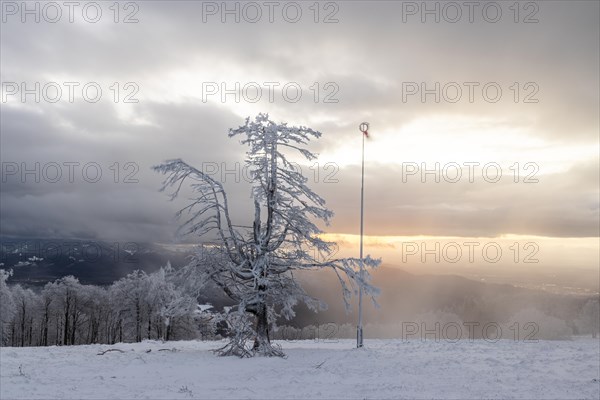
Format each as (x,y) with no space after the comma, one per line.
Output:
(384,369)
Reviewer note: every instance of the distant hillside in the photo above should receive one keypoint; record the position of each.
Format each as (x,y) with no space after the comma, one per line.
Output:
(36,261)
(405,296)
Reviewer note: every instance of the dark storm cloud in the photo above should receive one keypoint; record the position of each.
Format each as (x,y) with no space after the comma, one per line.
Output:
(126,206)
(368,54)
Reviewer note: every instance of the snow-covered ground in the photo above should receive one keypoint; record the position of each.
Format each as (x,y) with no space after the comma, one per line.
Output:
(384,369)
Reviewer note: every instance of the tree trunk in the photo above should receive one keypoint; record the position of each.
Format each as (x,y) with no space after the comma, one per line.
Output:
(57,330)
(30,337)
(262,340)
(45,328)
(149,323)
(138,322)
(74,322)
(67,312)
(23,324)
(157,328)
(120,331)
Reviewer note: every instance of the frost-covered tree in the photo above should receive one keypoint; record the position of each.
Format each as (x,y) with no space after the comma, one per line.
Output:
(131,294)
(22,325)
(97,311)
(46,312)
(7,307)
(169,302)
(69,302)
(254,266)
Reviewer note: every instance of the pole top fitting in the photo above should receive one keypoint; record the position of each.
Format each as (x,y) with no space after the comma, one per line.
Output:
(364,127)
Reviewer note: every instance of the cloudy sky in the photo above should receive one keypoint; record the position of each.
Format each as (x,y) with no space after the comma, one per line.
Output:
(500,99)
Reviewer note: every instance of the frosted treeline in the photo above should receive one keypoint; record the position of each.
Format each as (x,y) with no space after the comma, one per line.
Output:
(151,306)
(66,312)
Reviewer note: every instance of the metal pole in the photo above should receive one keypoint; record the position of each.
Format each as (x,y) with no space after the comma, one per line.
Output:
(359,329)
